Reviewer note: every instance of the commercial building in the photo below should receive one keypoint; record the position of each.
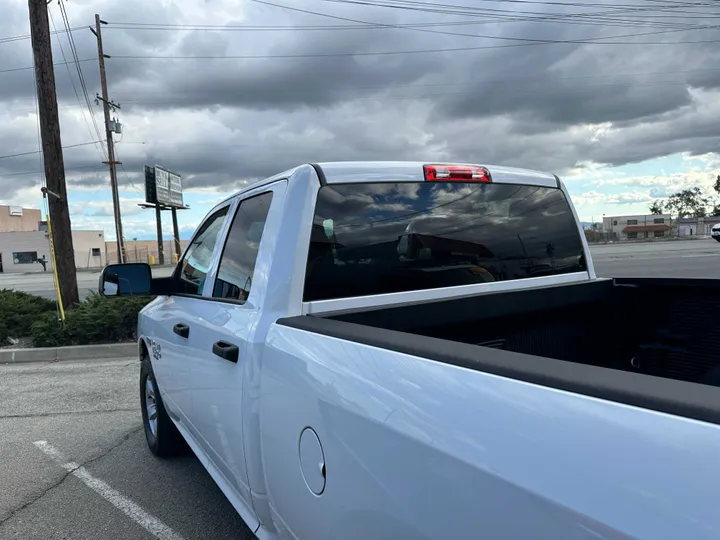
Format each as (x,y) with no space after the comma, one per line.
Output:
(25,243)
(697,226)
(637,227)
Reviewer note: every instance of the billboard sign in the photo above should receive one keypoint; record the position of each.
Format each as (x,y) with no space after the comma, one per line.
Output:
(163,187)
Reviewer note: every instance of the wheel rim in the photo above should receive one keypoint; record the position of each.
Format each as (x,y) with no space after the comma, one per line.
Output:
(151,406)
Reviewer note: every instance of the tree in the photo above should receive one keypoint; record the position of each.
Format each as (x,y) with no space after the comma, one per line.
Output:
(716,185)
(688,202)
(656,208)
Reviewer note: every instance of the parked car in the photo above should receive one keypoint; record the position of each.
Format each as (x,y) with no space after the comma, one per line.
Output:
(715,232)
(412,351)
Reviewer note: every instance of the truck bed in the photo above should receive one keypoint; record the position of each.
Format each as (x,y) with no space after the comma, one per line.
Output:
(655,327)
(643,342)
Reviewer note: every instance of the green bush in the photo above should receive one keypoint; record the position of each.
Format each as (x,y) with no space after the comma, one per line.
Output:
(20,310)
(96,320)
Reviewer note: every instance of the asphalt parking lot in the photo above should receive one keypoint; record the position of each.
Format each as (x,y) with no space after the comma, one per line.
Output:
(87,415)
(74,459)
(682,259)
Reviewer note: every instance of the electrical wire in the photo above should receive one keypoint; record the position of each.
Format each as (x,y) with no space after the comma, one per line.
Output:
(11,39)
(73,49)
(127,176)
(80,168)
(77,96)
(40,151)
(393,53)
(505,38)
(603,18)
(28,68)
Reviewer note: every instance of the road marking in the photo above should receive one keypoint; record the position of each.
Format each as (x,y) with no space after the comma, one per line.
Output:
(148,522)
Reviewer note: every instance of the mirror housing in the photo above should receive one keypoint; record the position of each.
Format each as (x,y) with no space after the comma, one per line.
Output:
(130,279)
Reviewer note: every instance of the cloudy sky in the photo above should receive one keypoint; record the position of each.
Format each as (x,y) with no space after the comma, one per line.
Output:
(622,100)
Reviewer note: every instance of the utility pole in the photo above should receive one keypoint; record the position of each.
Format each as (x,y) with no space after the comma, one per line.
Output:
(59,211)
(158,222)
(107,104)
(176,234)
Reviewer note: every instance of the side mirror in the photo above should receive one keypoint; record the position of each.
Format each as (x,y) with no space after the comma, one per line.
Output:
(132,279)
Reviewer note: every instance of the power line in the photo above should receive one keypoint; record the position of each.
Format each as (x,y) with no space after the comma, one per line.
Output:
(394,53)
(545,17)
(512,15)
(506,38)
(33,67)
(72,82)
(38,151)
(24,173)
(73,49)
(127,176)
(11,39)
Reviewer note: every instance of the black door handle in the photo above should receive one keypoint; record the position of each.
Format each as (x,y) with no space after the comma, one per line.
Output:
(182,330)
(226,350)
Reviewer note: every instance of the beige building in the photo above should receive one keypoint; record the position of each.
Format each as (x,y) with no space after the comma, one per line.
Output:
(25,245)
(22,252)
(19,219)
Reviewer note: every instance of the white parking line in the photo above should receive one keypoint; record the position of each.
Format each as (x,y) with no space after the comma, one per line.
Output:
(148,522)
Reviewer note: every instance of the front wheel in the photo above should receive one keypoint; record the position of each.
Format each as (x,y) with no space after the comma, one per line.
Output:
(163,438)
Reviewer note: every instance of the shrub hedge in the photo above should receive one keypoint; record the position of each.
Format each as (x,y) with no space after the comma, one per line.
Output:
(95,320)
(19,310)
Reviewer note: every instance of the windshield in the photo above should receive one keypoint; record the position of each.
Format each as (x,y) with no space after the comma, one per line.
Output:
(385,238)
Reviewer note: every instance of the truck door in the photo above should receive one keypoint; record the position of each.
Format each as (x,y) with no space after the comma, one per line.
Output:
(172,319)
(221,329)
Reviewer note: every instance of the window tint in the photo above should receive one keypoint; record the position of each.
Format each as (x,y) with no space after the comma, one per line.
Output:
(194,266)
(384,238)
(237,263)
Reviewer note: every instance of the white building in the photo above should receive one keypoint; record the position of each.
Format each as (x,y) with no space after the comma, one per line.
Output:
(637,227)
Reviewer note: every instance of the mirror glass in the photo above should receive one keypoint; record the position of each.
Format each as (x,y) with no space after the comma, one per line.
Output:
(125,279)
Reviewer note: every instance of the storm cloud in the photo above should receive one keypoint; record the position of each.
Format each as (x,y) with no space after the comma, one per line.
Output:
(225,92)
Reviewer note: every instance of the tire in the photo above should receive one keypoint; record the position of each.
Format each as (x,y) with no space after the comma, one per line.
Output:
(163,438)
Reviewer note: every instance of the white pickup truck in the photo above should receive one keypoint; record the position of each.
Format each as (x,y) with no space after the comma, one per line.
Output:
(413,351)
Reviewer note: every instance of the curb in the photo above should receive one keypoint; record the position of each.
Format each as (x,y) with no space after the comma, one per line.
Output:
(76,352)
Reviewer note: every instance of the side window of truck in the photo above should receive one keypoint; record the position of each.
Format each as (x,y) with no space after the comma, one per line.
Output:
(194,266)
(237,262)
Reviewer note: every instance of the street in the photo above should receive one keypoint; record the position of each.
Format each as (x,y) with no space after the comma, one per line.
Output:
(75,461)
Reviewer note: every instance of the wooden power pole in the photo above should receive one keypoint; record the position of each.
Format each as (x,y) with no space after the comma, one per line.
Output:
(52,152)
(111,149)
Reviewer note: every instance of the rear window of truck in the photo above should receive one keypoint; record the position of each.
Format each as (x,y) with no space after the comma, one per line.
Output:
(395,237)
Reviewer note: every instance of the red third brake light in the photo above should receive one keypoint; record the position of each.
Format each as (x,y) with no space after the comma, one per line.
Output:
(456,173)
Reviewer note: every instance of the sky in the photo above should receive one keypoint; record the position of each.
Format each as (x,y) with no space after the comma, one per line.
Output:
(621,100)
